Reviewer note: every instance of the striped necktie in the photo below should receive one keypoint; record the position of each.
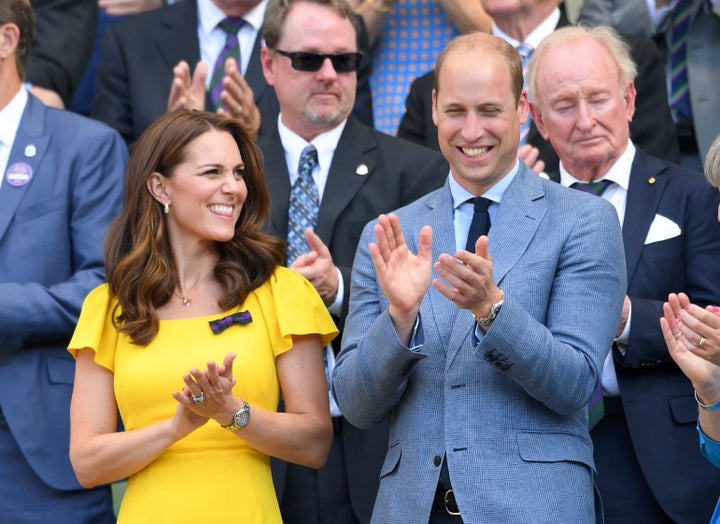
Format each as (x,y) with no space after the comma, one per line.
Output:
(304,205)
(231,26)
(525,52)
(594,188)
(679,91)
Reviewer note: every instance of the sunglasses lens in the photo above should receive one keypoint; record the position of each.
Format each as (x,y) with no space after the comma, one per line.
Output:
(310,62)
(307,61)
(346,62)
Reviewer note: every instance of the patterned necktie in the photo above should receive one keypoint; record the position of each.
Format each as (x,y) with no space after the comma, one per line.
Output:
(304,205)
(594,188)
(480,224)
(231,26)
(679,92)
(525,52)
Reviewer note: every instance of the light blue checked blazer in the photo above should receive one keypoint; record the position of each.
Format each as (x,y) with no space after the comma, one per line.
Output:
(509,412)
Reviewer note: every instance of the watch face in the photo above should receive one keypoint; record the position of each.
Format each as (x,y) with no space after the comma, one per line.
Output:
(242,417)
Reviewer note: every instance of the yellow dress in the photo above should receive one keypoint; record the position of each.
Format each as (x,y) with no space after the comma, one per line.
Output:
(211,475)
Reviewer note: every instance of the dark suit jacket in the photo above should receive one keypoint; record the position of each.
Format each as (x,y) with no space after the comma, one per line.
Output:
(398,173)
(660,409)
(652,127)
(64,38)
(51,233)
(136,71)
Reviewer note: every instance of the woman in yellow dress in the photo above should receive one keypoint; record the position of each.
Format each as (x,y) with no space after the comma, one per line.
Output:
(195,336)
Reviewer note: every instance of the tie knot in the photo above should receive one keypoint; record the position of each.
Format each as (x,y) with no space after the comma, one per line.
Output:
(524,50)
(308,159)
(231,25)
(481,204)
(594,188)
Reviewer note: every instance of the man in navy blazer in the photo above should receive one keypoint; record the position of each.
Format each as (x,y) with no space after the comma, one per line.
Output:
(61,185)
(646,452)
(362,172)
(652,127)
(140,54)
(486,373)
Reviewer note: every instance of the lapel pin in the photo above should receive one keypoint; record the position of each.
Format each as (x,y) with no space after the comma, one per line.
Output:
(651,180)
(18,174)
(361,170)
(30,151)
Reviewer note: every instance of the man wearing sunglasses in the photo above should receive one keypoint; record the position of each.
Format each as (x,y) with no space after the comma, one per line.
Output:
(165,58)
(311,59)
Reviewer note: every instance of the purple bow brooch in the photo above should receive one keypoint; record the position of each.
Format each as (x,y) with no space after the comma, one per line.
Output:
(221,324)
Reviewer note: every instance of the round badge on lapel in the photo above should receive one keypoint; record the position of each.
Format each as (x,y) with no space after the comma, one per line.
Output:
(362,170)
(18,174)
(30,150)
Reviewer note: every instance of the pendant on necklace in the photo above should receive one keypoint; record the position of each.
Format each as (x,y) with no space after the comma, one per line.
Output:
(186,301)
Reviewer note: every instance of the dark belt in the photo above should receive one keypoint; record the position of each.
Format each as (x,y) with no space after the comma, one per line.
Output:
(613,406)
(337,424)
(445,499)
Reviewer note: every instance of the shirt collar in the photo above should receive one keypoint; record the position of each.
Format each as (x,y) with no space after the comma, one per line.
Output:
(10,116)
(536,36)
(210,15)
(619,172)
(460,195)
(325,144)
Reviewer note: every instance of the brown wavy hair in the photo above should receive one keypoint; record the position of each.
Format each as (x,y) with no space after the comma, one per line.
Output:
(139,265)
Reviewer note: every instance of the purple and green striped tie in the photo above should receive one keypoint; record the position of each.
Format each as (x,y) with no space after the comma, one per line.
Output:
(231,26)
(679,90)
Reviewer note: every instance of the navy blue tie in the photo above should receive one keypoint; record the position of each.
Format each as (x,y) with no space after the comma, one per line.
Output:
(480,224)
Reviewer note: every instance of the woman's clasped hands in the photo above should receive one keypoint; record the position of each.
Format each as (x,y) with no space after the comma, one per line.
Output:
(208,394)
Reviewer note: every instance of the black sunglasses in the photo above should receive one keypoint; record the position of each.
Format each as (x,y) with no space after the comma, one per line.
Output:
(308,61)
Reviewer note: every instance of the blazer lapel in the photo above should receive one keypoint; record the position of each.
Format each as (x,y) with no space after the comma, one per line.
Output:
(442,314)
(346,174)
(647,185)
(29,149)
(278,180)
(179,21)
(516,221)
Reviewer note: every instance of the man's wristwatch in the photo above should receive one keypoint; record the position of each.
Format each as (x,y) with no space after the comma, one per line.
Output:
(240,418)
(494,310)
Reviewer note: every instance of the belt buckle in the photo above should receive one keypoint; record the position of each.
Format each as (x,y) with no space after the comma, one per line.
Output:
(450,504)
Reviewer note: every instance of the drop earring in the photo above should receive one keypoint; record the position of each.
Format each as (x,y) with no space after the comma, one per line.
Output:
(166,209)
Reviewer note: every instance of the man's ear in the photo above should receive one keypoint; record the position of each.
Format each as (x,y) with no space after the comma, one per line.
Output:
(266,59)
(9,38)
(157,185)
(537,117)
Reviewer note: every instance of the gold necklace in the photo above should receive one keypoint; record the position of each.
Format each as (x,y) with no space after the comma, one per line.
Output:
(187,299)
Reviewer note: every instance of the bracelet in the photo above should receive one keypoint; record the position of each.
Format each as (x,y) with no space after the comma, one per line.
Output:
(707,407)
(379,8)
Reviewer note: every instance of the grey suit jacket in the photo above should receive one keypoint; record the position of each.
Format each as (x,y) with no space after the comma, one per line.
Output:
(51,234)
(508,411)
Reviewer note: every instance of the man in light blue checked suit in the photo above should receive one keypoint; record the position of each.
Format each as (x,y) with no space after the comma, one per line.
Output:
(487,372)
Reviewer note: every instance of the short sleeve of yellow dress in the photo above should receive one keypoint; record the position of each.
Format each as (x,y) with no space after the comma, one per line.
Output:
(211,475)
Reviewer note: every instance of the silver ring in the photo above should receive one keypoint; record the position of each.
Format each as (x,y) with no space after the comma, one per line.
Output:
(700,342)
(677,335)
(198,398)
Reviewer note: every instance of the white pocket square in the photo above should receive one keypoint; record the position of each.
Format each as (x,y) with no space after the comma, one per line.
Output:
(662,228)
